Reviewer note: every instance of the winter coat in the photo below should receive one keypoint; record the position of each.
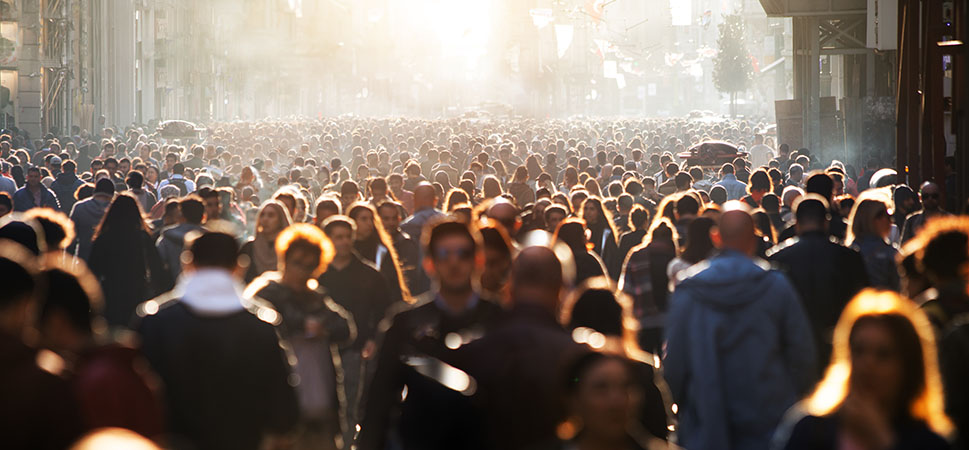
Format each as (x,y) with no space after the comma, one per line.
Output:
(23,199)
(739,352)
(64,187)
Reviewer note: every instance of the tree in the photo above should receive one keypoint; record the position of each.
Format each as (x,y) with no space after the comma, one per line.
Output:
(732,69)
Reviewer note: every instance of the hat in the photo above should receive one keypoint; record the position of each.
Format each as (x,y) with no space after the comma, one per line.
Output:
(55,161)
(104,186)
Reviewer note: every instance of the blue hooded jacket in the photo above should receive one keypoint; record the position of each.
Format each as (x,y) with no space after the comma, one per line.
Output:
(739,352)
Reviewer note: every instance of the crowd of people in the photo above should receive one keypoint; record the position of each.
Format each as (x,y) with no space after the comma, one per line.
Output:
(474,284)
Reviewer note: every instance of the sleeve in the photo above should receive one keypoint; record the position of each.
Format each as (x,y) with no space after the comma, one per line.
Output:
(282,410)
(798,340)
(675,359)
(383,392)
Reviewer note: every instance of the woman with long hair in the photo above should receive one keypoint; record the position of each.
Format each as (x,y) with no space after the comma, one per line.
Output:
(644,278)
(869,227)
(572,233)
(273,218)
(125,261)
(883,388)
(699,246)
(455,197)
(375,245)
(603,234)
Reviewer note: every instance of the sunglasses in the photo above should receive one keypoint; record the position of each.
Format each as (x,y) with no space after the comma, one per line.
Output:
(443,254)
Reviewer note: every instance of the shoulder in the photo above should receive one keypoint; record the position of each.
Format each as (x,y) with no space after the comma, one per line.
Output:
(782,248)
(262,309)
(157,305)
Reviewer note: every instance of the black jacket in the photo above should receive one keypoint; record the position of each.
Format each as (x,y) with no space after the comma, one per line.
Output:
(826,275)
(338,330)
(361,290)
(432,416)
(226,376)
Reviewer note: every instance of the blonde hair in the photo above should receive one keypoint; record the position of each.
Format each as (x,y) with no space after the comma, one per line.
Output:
(927,403)
(865,211)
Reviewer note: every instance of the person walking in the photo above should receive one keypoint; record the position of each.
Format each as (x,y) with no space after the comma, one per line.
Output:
(226,376)
(125,261)
(738,345)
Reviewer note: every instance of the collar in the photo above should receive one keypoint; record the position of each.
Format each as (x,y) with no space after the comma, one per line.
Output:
(443,305)
(210,292)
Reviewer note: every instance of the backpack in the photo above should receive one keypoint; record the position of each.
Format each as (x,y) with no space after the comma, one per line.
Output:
(180,184)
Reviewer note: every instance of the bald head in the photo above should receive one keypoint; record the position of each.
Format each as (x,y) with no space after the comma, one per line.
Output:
(737,231)
(536,278)
(505,213)
(425,196)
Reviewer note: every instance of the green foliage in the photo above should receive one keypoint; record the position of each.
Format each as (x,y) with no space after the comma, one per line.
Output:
(732,69)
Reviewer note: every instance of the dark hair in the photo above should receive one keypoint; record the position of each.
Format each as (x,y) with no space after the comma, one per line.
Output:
(192,209)
(595,308)
(771,203)
(64,293)
(6,201)
(638,217)
(698,245)
(135,179)
(122,217)
(727,168)
(759,180)
(718,194)
(571,232)
(811,210)
(338,221)
(819,183)
(448,227)
(17,280)
(687,205)
(214,249)
(683,180)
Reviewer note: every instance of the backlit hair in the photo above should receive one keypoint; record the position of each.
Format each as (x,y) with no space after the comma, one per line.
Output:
(305,236)
(926,400)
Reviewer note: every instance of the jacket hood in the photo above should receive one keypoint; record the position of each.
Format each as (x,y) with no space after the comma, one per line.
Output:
(728,280)
(210,292)
(92,208)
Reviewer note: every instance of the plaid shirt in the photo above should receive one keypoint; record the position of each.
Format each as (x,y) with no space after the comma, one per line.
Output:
(644,279)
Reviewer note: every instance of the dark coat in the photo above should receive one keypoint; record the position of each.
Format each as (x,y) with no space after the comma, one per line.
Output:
(38,410)
(130,272)
(819,433)
(431,416)
(518,367)
(64,187)
(226,377)
(338,330)
(826,275)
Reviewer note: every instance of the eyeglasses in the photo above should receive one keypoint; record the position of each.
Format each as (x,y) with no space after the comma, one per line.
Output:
(443,254)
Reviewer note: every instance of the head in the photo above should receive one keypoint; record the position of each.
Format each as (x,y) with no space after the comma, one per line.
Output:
(736,230)
(811,214)
(191,210)
(603,396)
(273,217)
(342,231)
(68,308)
(453,255)
(425,196)
(18,277)
(498,252)
(931,196)
(303,252)
(212,250)
(390,215)
(884,351)
(33,177)
(869,217)
(123,216)
(537,278)
(554,215)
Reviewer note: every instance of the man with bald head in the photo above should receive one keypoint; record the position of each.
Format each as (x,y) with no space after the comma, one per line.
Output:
(931,196)
(739,348)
